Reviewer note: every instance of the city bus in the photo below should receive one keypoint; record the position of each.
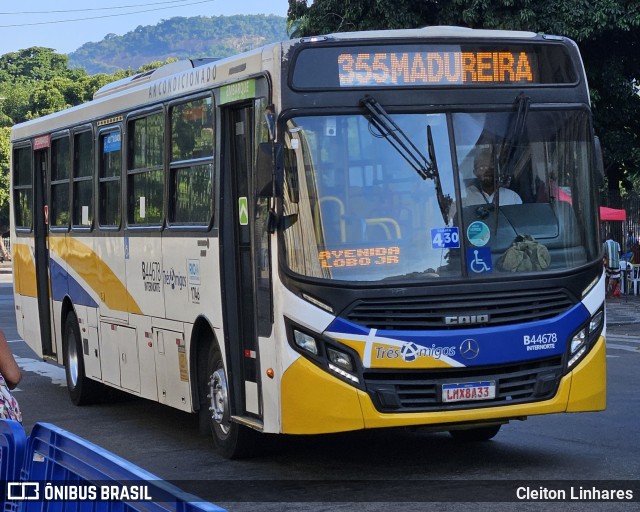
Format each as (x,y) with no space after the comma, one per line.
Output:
(289,241)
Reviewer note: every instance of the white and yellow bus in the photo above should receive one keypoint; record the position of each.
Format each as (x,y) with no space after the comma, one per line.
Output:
(291,241)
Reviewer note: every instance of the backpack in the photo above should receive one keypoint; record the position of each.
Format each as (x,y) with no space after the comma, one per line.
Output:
(524,255)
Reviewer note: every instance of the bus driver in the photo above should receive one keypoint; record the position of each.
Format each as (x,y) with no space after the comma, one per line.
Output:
(482,190)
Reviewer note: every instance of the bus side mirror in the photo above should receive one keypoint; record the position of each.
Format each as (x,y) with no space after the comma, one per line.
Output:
(599,161)
(269,169)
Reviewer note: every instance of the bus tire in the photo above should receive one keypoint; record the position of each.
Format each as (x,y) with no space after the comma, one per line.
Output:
(232,440)
(82,390)
(474,435)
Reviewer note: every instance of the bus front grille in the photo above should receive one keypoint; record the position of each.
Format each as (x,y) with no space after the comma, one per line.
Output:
(432,312)
(417,391)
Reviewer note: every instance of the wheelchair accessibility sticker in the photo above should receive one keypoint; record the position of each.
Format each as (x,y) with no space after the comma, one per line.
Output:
(479,260)
(478,233)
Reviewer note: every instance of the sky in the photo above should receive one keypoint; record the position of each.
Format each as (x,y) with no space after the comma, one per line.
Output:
(65,25)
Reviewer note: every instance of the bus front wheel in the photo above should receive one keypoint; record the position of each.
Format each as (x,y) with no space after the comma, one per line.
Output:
(82,390)
(232,440)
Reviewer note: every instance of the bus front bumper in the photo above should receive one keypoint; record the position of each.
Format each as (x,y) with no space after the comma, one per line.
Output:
(315,402)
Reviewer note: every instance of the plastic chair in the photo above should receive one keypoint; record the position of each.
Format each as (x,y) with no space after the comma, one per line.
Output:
(634,280)
(626,270)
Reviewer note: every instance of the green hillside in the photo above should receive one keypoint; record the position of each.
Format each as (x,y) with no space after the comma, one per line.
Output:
(180,38)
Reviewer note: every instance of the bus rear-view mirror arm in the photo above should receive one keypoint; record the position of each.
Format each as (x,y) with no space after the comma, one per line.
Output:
(269,175)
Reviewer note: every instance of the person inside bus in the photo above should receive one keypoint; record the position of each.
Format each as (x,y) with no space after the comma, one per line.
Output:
(483,188)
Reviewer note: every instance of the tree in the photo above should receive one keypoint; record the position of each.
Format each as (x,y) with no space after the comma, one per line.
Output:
(607,34)
(35,82)
(326,16)
(4,178)
(37,63)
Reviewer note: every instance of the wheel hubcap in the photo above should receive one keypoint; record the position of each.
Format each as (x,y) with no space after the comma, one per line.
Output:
(72,360)
(219,399)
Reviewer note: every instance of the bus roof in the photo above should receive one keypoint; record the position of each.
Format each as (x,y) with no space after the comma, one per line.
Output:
(435,31)
(137,91)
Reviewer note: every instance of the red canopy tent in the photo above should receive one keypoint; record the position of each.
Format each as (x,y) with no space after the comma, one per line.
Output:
(612,214)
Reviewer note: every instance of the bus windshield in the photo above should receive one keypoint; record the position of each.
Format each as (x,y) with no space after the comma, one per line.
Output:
(511,192)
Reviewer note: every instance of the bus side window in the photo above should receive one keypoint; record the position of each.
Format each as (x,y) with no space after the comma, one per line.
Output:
(82,210)
(109,179)
(60,172)
(192,166)
(145,170)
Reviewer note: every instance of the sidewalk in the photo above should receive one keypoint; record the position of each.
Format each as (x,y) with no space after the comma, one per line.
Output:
(623,310)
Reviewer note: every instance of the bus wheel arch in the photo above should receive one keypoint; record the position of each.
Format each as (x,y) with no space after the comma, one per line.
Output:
(202,338)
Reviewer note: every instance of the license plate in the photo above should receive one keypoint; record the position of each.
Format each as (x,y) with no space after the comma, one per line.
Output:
(464,391)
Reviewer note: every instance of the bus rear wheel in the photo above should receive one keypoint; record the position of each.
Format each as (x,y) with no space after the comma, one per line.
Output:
(232,440)
(82,391)
(474,435)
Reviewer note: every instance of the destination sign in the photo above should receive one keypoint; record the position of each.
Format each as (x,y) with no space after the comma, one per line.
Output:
(432,65)
(360,257)
(427,68)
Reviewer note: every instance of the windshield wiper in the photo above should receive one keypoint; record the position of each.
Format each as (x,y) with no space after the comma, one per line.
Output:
(508,149)
(427,168)
(386,126)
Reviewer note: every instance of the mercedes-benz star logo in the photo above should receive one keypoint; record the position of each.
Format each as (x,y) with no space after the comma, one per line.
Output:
(469,349)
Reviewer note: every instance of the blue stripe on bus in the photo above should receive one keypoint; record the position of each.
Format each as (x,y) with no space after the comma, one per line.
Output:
(496,344)
(63,284)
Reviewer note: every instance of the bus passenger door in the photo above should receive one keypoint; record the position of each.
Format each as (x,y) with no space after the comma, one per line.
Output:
(243,261)
(41,251)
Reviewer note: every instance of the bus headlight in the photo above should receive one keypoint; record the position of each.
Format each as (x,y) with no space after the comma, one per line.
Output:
(595,325)
(340,359)
(578,347)
(305,342)
(584,339)
(342,364)
(327,354)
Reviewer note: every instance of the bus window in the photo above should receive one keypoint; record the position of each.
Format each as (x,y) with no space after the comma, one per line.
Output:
(192,130)
(361,200)
(60,173)
(109,180)
(539,168)
(145,171)
(22,188)
(83,179)
(191,165)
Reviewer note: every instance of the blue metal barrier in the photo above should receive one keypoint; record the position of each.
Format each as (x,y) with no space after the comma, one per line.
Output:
(73,475)
(13,441)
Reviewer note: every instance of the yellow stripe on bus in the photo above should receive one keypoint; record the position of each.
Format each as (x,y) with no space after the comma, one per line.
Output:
(24,271)
(96,273)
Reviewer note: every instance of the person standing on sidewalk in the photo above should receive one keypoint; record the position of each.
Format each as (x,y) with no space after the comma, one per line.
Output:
(612,266)
(4,254)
